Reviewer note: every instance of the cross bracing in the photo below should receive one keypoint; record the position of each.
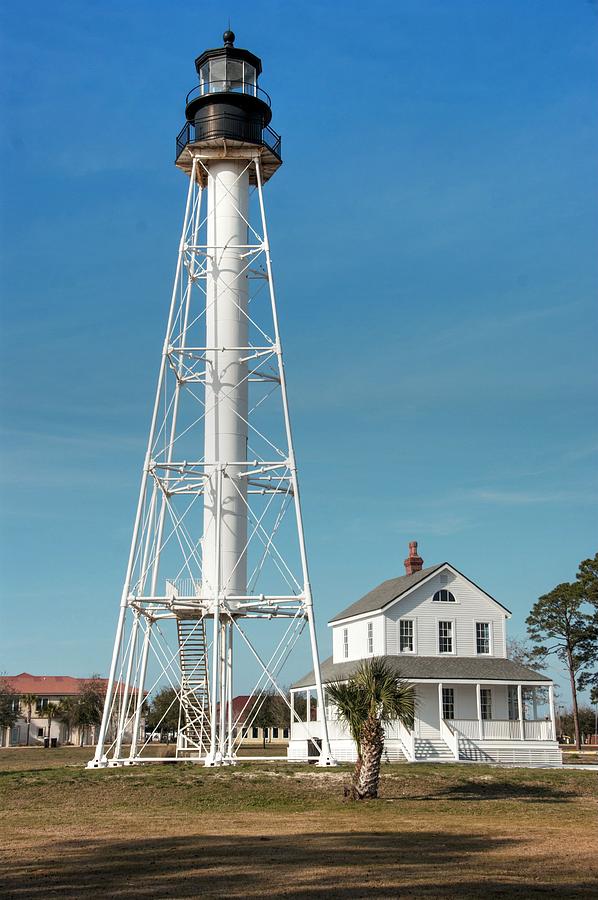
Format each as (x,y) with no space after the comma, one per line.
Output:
(218,541)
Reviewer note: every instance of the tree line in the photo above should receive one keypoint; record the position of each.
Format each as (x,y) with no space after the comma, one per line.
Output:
(266,709)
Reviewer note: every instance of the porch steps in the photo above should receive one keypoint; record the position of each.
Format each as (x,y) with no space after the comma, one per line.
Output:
(393,752)
(194,731)
(432,750)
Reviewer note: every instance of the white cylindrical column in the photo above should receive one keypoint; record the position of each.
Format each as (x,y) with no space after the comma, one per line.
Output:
(226,393)
(552,714)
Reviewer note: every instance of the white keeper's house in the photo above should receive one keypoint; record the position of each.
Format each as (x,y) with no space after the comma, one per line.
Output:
(447,637)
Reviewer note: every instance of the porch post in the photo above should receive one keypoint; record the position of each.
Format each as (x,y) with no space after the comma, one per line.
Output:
(534,704)
(440,710)
(551,705)
(520,710)
(478,693)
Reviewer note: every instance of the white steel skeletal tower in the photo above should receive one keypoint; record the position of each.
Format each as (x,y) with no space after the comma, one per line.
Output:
(218,546)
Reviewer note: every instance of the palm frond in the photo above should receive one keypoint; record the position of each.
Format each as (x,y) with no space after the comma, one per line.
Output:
(374,690)
(389,697)
(351,704)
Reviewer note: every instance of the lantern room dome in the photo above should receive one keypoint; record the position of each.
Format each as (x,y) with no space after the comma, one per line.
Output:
(231,71)
(228,108)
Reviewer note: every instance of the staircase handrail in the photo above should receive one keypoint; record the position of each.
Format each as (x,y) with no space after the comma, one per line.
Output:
(407,741)
(450,737)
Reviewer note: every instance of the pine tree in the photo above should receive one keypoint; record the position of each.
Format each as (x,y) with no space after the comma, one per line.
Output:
(559,625)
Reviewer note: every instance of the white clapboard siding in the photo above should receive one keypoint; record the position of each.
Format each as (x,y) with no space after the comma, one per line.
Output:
(471,606)
(428,719)
(358,639)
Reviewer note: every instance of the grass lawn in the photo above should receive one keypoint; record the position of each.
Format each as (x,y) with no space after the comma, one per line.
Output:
(278,830)
(585,757)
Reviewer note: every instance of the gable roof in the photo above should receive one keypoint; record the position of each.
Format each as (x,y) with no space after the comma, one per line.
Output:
(491,668)
(385,593)
(391,590)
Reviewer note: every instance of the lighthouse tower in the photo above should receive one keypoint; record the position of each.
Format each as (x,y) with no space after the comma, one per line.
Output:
(217,584)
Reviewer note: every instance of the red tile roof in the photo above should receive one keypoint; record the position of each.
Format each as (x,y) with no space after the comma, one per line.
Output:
(242,703)
(48,685)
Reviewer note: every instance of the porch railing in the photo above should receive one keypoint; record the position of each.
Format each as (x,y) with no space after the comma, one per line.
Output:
(540,730)
(451,730)
(502,729)
(468,728)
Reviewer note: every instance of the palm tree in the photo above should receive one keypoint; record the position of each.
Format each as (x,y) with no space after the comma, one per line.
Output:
(67,712)
(49,712)
(29,701)
(372,697)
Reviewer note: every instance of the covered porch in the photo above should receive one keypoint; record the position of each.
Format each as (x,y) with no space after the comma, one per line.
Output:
(482,720)
(466,720)
(487,710)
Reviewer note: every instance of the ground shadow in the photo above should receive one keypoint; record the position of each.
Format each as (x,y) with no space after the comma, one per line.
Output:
(337,865)
(508,790)
(502,790)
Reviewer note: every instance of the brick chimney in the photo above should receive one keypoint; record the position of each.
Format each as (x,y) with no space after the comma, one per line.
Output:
(413,563)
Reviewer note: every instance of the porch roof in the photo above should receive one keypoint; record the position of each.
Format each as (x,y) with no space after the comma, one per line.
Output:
(435,668)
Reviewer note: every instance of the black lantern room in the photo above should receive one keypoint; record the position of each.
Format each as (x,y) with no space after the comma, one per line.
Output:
(228,105)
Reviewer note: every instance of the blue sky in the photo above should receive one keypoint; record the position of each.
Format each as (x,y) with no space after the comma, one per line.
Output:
(434,230)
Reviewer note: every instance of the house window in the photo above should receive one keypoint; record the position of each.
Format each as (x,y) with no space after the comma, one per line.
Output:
(345,643)
(443,596)
(406,636)
(486,703)
(244,733)
(42,704)
(370,637)
(275,732)
(285,732)
(445,637)
(482,637)
(40,732)
(448,703)
(255,732)
(513,700)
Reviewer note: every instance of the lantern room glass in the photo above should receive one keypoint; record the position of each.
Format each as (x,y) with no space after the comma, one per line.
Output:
(222,74)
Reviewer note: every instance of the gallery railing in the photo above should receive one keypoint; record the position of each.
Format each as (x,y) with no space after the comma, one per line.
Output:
(229,127)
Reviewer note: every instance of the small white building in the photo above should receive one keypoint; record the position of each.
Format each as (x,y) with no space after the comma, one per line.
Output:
(447,637)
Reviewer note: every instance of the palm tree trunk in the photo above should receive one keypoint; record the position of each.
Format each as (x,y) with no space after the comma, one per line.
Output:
(372,745)
(352,790)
